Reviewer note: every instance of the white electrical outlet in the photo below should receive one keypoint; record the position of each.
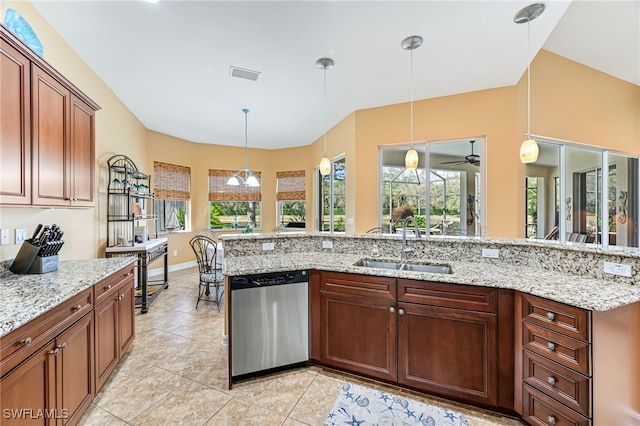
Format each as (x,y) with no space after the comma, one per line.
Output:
(350,221)
(327,244)
(617,269)
(21,235)
(4,236)
(492,253)
(268,246)
(175,252)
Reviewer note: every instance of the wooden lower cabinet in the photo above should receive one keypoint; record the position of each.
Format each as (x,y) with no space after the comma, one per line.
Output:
(115,330)
(359,334)
(448,352)
(58,380)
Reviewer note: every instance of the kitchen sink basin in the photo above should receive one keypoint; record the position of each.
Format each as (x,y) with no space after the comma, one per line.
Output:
(414,267)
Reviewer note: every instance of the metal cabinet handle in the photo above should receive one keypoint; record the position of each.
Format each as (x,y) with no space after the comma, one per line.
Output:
(392,309)
(551,346)
(401,311)
(77,308)
(26,342)
(62,346)
(108,287)
(551,380)
(54,352)
(551,420)
(551,316)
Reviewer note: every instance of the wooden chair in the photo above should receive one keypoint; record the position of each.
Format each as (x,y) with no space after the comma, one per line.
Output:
(209,271)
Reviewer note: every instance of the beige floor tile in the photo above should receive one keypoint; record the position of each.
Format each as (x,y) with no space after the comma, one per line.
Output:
(190,404)
(96,416)
(292,422)
(279,393)
(240,413)
(132,391)
(316,402)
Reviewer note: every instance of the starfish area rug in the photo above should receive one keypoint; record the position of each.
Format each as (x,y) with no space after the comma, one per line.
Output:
(359,406)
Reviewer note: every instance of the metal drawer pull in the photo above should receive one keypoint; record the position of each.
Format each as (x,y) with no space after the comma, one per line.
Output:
(551,316)
(26,342)
(54,352)
(62,346)
(401,311)
(392,309)
(551,346)
(77,308)
(551,380)
(551,420)
(108,287)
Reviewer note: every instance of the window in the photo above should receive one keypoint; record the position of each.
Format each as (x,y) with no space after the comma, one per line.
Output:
(332,198)
(172,194)
(233,207)
(291,194)
(531,230)
(446,214)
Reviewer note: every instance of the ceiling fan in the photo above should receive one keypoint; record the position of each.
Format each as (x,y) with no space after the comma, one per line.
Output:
(472,158)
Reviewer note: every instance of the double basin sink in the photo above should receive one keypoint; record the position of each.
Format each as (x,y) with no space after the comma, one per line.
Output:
(404,266)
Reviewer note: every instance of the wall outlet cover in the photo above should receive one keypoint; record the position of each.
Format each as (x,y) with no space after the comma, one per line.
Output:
(268,246)
(618,269)
(21,235)
(327,244)
(4,236)
(491,253)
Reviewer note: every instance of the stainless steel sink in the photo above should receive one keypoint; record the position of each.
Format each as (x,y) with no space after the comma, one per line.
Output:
(414,267)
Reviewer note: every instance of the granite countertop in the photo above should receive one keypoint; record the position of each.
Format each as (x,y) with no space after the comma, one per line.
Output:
(588,293)
(24,297)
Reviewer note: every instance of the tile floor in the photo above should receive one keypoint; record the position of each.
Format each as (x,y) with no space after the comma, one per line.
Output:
(176,374)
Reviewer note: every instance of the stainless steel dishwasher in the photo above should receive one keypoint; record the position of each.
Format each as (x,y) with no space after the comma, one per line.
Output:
(269,322)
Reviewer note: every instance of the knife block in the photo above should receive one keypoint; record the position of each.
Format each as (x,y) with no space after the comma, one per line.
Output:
(42,265)
(25,258)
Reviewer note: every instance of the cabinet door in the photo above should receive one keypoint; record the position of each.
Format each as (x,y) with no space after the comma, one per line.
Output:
(15,132)
(107,343)
(76,383)
(359,334)
(448,352)
(27,394)
(126,313)
(50,109)
(82,153)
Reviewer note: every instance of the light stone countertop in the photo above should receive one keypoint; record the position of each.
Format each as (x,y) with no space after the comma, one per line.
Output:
(24,297)
(583,292)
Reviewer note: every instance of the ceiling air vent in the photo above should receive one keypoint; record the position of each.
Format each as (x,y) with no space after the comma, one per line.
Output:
(244,73)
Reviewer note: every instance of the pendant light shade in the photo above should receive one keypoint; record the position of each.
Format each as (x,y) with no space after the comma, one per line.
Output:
(244,176)
(411,158)
(529,149)
(325,163)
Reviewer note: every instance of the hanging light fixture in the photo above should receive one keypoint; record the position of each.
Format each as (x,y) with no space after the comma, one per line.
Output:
(248,179)
(529,149)
(325,163)
(411,158)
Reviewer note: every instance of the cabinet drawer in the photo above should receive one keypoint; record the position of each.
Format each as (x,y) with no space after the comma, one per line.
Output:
(560,383)
(105,288)
(569,320)
(539,409)
(22,342)
(557,347)
(481,299)
(361,285)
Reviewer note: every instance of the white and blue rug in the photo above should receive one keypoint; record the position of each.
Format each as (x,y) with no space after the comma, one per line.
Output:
(358,406)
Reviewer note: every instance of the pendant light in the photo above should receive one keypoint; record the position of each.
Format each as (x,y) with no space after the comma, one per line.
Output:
(529,149)
(249,178)
(325,163)
(411,158)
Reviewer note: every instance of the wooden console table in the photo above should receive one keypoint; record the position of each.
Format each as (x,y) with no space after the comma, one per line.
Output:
(147,253)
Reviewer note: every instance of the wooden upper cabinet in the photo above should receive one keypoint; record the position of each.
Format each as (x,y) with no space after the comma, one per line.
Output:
(48,143)
(15,132)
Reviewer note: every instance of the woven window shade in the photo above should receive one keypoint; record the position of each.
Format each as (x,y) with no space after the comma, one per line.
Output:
(220,191)
(171,182)
(290,185)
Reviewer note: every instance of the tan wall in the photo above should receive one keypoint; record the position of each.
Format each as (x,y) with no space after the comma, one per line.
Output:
(117,131)
(569,101)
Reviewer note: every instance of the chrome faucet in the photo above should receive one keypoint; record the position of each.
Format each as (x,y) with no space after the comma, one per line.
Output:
(406,250)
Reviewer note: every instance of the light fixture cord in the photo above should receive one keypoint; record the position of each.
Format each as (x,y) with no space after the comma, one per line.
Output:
(325,110)
(411,99)
(529,79)
(246,149)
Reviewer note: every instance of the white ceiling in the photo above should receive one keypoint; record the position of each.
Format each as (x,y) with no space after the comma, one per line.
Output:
(169,62)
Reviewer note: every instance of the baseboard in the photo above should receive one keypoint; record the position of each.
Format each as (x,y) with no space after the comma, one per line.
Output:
(186,265)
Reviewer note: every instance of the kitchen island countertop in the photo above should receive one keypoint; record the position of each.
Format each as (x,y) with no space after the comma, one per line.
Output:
(583,292)
(24,297)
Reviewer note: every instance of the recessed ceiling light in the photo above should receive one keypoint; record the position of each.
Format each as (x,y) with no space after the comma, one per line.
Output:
(244,73)
(152,1)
